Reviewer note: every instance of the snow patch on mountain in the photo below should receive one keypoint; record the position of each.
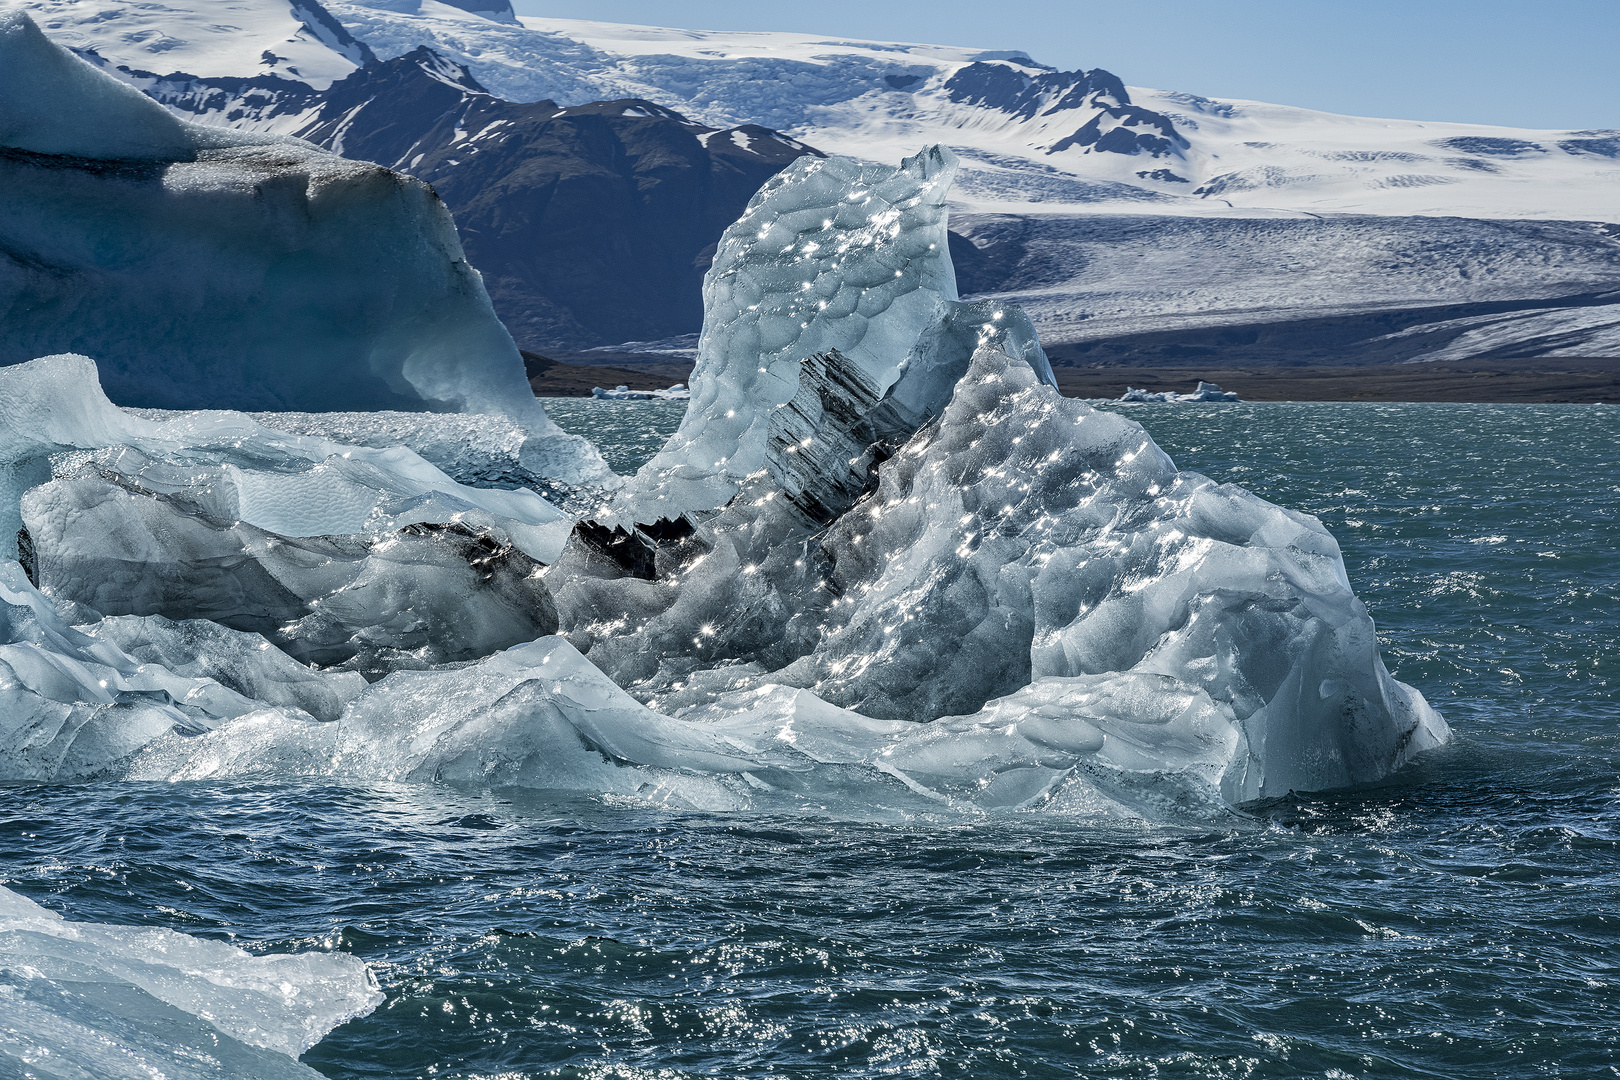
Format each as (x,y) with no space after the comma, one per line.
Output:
(293,40)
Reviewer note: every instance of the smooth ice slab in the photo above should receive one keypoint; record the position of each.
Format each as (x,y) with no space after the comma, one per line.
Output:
(85,999)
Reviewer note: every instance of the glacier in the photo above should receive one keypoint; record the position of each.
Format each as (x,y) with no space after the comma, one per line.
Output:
(207,267)
(883,563)
(86,999)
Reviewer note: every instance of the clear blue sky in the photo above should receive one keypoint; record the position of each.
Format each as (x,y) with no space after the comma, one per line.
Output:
(1526,63)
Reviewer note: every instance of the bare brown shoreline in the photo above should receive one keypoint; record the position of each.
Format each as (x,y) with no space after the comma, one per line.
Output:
(1570,380)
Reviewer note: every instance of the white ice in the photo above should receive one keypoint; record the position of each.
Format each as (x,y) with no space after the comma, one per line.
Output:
(1206,391)
(84,999)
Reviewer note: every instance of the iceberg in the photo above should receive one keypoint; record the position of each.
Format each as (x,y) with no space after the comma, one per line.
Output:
(204,267)
(1207,391)
(622,392)
(1018,543)
(883,563)
(85,999)
(891,507)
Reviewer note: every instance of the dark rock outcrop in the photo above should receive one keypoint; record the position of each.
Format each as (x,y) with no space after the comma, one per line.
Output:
(1114,125)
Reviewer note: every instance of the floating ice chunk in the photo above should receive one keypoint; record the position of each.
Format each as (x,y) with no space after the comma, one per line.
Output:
(298,485)
(205,267)
(73,706)
(622,392)
(244,663)
(87,999)
(830,255)
(1099,742)
(1021,537)
(1207,391)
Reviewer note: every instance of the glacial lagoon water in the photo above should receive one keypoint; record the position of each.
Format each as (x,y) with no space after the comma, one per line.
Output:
(1462,920)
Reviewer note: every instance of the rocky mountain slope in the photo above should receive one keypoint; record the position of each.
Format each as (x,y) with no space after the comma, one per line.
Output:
(592,223)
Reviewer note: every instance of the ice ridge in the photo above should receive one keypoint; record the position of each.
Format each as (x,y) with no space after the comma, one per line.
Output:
(829,255)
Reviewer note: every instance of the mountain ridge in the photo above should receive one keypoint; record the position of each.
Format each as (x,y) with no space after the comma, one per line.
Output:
(591,223)
(1212,195)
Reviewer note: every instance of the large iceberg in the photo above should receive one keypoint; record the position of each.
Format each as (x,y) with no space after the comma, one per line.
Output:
(204,267)
(84,999)
(882,563)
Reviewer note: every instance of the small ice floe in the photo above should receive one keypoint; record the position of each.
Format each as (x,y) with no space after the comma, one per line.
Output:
(1207,391)
(678,392)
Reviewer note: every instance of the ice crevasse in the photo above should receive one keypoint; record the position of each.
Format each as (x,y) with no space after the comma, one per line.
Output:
(882,562)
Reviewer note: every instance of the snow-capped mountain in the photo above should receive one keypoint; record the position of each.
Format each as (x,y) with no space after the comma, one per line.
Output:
(1141,211)
(1026,132)
(592,224)
(1137,224)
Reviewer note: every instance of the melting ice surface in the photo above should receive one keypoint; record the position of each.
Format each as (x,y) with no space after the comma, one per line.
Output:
(88,999)
(882,560)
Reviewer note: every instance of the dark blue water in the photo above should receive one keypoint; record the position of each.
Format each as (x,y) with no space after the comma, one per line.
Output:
(1461,921)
